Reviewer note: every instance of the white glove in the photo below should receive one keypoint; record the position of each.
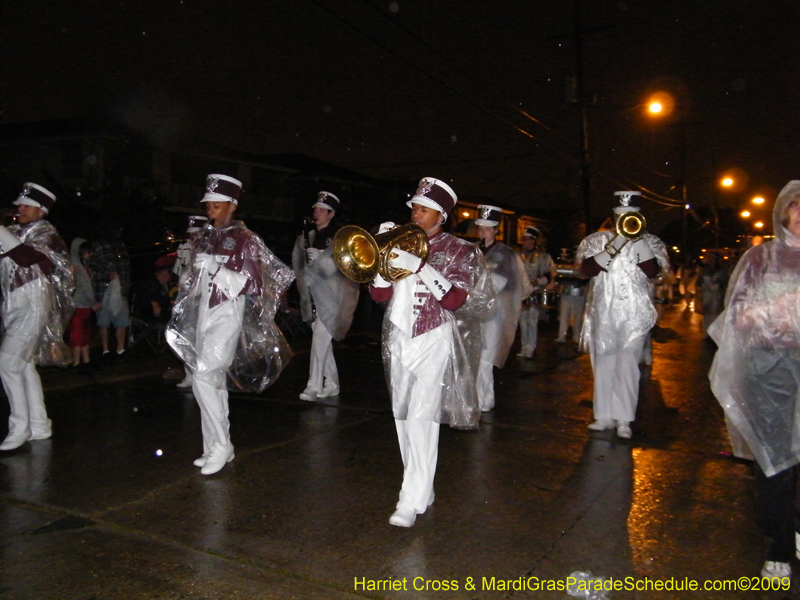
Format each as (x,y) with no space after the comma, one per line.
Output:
(230,282)
(643,250)
(380,282)
(434,281)
(8,241)
(400,259)
(542,281)
(498,282)
(205,261)
(386,226)
(313,254)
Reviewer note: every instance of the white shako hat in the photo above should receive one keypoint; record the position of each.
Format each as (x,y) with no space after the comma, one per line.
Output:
(436,194)
(531,232)
(196,223)
(624,201)
(490,216)
(327,200)
(221,188)
(35,195)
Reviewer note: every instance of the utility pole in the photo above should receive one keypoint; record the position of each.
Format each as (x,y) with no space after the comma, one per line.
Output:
(586,181)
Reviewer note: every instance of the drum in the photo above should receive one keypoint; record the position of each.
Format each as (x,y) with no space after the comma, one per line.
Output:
(544,298)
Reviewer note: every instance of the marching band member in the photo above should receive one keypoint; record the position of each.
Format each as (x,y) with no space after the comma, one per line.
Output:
(429,360)
(223,320)
(37,282)
(328,299)
(541,272)
(511,287)
(619,314)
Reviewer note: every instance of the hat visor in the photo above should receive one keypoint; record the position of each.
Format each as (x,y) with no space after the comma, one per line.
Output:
(28,202)
(486,223)
(211,197)
(322,205)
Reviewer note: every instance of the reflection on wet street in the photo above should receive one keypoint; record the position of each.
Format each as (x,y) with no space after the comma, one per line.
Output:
(112,507)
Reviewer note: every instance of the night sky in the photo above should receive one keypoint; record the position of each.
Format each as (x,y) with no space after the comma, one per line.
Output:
(471,92)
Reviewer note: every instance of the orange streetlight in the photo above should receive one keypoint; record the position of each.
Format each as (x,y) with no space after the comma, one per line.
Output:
(758,225)
(727,182)
(745,213)
(758,200)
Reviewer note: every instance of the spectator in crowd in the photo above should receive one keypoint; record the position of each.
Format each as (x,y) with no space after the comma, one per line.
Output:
(80,327)
(110,263)
(756,377)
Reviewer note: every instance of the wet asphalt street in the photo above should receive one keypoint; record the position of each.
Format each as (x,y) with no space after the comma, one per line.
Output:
(112,508)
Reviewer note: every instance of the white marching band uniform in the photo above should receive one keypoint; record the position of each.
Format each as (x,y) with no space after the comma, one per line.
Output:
(37,282)
(538,264)
(223,323)
(431,349)
(619,314)
(328,300)
(511,286)
(428,362)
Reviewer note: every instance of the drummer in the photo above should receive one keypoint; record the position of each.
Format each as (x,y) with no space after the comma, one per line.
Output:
(541,271)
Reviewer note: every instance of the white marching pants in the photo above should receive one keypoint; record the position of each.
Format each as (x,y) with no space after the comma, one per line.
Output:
(419,449)
(417,369)
(323,366)
(217,336)
(490,339)
(24,314)
(571,308)
(616,382)
(529,329)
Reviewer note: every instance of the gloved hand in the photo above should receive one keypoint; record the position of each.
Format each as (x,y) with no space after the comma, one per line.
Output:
(8,241)
(205,261)
(542,281)
(434,281)
(386,226)
(380,282)
(313,254)
(400,259)
(643,250)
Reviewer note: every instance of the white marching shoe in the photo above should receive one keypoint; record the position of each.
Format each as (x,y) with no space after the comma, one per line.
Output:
(403,517)
(217,457)
(308,395)
(602,425)
(624,430)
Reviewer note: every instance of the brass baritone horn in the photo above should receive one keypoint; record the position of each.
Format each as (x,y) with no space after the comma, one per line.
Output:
(631,225)
(360,256)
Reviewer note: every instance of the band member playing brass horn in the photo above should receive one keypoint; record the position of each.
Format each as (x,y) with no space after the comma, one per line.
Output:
(429,363)
(327,298)
(618,316)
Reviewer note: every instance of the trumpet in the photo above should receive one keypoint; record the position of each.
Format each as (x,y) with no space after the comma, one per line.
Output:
(361,256)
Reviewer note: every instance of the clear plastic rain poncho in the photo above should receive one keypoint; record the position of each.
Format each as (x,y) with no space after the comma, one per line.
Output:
(619,301)
(324,289)
(242,270)
(463,265)
(756,370)
(55,288)
(511,285)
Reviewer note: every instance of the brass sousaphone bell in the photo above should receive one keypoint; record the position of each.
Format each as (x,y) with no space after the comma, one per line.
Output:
(361,256)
